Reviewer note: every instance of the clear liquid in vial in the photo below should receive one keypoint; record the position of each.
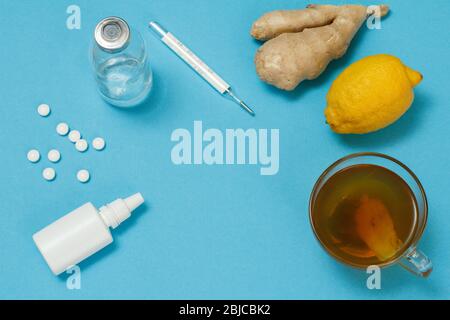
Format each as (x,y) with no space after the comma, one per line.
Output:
(124,81)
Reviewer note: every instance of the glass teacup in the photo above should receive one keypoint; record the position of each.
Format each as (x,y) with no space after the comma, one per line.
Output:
(406,253)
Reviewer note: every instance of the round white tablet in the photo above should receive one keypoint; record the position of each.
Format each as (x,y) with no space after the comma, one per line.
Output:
(49,174)
(43,110)
(33,155)
(83,175)
(74,135)
(81,145)
(54,155)
(62,128)
(98,143)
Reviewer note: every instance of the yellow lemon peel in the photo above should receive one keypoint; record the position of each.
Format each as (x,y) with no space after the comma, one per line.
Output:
(375,227)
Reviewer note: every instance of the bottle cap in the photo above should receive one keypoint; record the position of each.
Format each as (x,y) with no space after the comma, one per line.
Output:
(119,210)
(112,34)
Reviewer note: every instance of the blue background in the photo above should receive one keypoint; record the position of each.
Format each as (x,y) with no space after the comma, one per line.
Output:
(206,231)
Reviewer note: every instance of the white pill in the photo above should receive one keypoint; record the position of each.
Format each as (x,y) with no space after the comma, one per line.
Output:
(62,128)
(33,155)
(83,175)
(81,145)
(43,110)
(54,155)
(49,174)
(74,135)
(98,143)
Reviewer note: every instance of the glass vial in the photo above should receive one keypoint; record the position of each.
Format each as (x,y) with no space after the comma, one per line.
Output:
(120,62)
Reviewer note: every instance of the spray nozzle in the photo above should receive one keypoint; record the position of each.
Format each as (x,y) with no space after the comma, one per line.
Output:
(119,210)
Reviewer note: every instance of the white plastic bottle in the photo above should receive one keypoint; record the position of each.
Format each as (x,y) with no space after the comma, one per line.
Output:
(82,232)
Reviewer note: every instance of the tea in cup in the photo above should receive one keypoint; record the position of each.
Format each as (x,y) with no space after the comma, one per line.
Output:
(370,209)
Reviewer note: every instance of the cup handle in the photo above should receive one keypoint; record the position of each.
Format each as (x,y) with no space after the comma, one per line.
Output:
(416,262)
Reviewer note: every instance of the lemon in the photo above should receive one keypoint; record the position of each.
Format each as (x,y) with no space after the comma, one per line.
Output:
(370,94)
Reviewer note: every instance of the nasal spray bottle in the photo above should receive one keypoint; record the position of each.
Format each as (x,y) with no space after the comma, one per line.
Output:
(82,232)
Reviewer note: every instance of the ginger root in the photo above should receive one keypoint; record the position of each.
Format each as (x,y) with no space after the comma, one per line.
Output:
(301,43)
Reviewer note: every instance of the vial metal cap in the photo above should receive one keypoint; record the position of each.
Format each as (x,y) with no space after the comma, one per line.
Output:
(112,34)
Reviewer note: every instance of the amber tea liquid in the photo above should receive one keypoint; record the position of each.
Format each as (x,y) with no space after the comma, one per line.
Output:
(364,214)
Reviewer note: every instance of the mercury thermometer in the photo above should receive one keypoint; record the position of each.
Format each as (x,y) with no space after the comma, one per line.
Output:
(197,64)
